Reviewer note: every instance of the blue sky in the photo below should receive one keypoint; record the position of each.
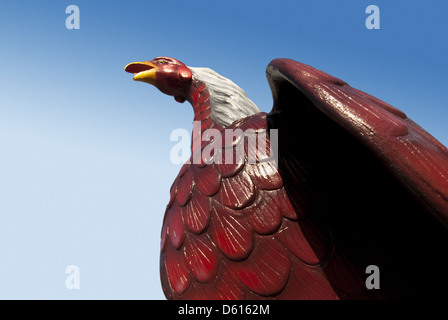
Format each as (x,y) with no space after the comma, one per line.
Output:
(85,169)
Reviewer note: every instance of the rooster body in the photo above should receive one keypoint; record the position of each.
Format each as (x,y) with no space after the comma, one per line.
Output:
(230,232)
(305,222)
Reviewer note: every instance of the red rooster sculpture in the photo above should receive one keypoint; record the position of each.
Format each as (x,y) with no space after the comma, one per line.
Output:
(353,183)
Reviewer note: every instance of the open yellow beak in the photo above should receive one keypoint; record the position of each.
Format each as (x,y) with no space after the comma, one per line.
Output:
(143,71)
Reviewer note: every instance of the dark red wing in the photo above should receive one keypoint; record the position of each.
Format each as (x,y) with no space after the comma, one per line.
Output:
(356,166)
(416,158)
(357,184)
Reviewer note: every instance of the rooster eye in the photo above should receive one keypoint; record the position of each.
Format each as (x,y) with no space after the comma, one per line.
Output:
(161,61)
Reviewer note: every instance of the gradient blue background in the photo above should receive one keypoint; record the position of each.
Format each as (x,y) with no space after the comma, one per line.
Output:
(84,167)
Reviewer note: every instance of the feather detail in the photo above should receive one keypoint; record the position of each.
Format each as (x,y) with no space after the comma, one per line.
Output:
(267,269)
(177,274)
(236,192)
(231,233)
(207,180)
(201,257)
(196,213)
(175,226)
(185,187)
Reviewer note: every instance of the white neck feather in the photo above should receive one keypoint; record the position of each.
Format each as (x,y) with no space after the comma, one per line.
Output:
(228,102)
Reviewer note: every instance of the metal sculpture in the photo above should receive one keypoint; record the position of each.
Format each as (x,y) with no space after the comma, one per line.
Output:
(352,183)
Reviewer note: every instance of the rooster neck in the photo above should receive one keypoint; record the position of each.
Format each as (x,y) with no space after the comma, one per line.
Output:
(199,97)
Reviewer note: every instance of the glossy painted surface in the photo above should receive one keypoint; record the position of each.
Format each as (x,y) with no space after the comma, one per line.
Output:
(356,181)
(230,232)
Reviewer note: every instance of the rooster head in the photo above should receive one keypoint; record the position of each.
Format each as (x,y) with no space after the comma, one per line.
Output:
(169,75)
